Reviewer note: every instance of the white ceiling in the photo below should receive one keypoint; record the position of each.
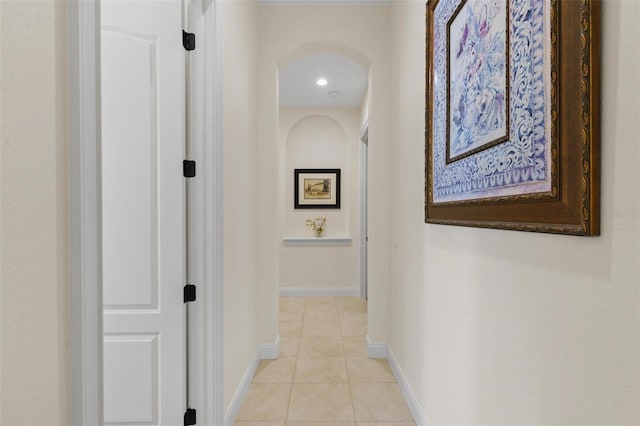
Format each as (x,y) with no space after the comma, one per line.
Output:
(298,86)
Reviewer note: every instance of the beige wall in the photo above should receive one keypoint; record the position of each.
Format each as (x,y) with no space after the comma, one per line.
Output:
(287,31)
(533,329)
(240,227)
(33,262)
(322,138)
(499,327)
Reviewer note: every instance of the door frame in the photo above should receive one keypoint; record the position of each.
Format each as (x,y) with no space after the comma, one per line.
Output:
(364,218)
(85,268)
(84,162)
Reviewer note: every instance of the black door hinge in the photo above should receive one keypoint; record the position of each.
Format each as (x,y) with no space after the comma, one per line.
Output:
(188,40)
(189,293)
(189,168)
(190,417)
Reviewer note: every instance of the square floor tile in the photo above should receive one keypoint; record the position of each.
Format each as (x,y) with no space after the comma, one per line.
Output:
(292,309)
(320,369)
(351,304)
(321,423)
(385,424)
(351,316)
(379,402)
(363,369)
(320,346)
(353,327)
(320,402)
(275,370)
(292,302)
(328,328)
(265,402)
(354,345)
(291,315)
(321,314)
(289,346)
(258,424)
(290,329)
(320,301)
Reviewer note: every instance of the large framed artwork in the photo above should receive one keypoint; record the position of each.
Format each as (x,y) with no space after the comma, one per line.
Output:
(316,188)
(512,119)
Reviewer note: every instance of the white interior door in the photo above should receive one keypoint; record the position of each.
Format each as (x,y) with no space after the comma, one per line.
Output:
(143,211)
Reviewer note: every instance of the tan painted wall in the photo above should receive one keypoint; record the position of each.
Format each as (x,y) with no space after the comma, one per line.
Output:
(498,327)
(34,276)
(239,110)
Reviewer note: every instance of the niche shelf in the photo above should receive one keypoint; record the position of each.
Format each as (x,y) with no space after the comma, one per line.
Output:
(313,241)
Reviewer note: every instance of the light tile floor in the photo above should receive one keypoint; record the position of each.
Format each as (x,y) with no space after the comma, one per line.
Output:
(323,376)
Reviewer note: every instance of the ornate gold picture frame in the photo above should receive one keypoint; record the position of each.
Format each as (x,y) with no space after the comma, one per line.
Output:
(512,118)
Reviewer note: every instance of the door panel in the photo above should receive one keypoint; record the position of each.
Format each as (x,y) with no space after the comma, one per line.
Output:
(143,211)
(130,171)
(137,359)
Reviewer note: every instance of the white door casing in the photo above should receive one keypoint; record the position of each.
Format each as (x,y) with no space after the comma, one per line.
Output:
(143,211)
(364,238)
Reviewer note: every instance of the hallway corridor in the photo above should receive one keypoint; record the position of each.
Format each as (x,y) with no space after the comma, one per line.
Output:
(323,375)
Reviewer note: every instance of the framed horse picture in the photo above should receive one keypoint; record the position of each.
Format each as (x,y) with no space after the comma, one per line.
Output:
(316,188)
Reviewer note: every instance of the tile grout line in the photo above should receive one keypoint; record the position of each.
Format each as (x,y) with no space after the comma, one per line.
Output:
(295,366)
(353,404)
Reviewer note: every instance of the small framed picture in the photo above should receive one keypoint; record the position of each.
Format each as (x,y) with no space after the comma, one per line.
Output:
(316,188)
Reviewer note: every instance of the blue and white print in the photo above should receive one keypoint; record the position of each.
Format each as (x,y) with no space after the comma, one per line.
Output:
(521,165)
(478,73)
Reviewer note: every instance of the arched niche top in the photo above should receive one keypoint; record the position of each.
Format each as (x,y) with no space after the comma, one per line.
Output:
(304,120)
(325,47)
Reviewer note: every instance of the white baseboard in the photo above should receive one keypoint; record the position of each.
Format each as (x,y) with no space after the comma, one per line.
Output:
(376,350)
(319,291)
(263,352)
(407,392)
(241,393)
(382,350)
(270,351)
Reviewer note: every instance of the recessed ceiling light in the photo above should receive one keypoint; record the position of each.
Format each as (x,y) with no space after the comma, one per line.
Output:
(322,82)
(334,93)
